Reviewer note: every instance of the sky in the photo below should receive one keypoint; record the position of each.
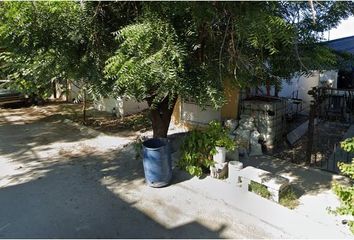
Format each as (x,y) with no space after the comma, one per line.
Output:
(345,29)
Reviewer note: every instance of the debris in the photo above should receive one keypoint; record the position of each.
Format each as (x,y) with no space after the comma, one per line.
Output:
(219,170)
(298,132)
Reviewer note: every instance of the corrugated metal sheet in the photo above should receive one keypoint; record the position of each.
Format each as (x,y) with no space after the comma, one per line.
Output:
(342,45)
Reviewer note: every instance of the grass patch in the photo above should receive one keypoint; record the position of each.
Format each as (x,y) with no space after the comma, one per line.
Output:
(259,189)
(288,198)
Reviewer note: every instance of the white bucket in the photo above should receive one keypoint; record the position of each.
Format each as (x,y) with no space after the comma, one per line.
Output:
(220,155)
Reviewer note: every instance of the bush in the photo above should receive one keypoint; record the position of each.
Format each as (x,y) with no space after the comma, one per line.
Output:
(345,193)
(195,153)
(200,145)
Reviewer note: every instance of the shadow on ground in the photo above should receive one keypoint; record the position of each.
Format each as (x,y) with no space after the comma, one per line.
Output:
(69,201)
(69,194)
(66,203)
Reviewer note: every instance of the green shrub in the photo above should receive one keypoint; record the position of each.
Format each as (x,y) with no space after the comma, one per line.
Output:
(259,189)
(200,145)
(288,198)
(346,193)
(195,153)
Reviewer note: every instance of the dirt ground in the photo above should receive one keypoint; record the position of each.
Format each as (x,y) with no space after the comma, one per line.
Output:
(130,125)
(104,121)
(327,135)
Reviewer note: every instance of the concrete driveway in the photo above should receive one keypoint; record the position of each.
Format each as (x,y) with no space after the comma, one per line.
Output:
(59,182)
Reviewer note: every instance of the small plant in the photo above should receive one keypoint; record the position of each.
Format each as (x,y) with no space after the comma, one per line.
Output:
(259,189)
(138,147)
(200,145)
(195,153)
(288,198)
(346,193)
(219,137)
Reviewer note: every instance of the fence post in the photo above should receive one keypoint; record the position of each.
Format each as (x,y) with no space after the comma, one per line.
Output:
(310,132)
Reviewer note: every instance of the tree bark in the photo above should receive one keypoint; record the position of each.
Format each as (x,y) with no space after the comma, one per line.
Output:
(161,116)
(84,106)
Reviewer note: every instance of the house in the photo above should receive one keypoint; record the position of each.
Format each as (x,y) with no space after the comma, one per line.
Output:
(188,114)
(268,114)
(264,116)
(343,78)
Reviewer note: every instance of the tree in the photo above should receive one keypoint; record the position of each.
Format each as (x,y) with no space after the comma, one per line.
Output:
(252,43)
(36,49)
(149,66)
(43,41)
(59,41)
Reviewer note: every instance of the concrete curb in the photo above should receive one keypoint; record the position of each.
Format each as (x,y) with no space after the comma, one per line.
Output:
(276,216)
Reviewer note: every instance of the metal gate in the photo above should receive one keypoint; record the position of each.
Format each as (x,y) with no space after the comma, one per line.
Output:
(338,155)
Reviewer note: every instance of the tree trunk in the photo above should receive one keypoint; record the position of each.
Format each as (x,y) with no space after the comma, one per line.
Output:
(161,116)
(84,106)
(67,94)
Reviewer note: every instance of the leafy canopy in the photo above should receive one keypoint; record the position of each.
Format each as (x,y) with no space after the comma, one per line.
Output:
(149,63)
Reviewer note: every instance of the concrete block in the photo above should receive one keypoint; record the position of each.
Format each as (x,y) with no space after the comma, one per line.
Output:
(298,132)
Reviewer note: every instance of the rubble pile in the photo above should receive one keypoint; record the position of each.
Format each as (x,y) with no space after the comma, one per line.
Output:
(261,121)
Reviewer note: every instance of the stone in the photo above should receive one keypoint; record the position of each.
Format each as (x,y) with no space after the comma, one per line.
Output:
(254,137)
(219,170)
(232,124)
(256,150)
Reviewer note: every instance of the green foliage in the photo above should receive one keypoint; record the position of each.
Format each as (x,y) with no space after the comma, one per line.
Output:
(41,41)
(259,189)
(199,146)
(288,198)
(162,50)
(219,137)
(45,41)
(346,193)
(348,145)
(149,61)
(196,153)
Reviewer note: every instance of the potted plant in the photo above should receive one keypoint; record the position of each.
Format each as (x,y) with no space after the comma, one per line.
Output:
(221,141)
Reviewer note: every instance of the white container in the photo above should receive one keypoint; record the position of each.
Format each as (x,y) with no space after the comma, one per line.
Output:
(220,156)
(234,171)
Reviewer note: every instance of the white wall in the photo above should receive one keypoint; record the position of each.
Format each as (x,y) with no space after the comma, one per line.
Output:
(123,106)
(298,87)
(191,112)
(131,106)
(303,84)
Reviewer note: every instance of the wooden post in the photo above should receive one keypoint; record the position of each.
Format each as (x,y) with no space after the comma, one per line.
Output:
(310,133)
(315,102)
